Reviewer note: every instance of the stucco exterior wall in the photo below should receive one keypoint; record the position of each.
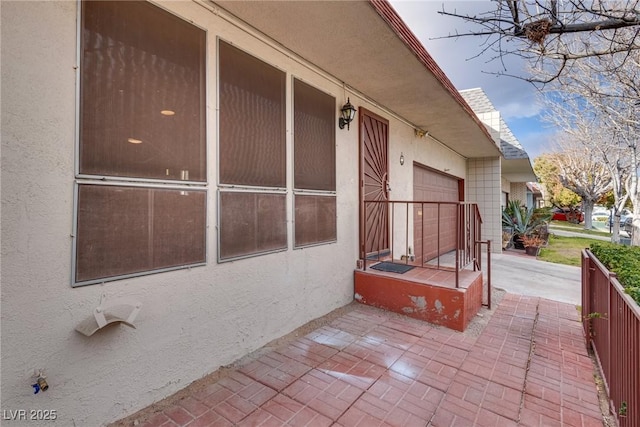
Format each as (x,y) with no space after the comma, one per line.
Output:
(483,187)
(192,321)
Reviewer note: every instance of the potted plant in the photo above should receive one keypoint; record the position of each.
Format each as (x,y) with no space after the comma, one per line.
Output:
(532,244)
(522,221)
(506,239)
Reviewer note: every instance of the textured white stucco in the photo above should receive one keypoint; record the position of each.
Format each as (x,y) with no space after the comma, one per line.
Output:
(192,321)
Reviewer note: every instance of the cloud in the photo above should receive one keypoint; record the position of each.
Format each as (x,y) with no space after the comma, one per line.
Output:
(520,109)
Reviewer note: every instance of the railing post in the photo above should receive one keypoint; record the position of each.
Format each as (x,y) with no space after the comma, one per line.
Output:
(488,273)
(457,248)
(406,237)
(422,260)
(391,233)
(438,230)
(586,296)
(363,230)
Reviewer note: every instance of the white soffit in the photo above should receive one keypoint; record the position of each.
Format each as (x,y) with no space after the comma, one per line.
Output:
(518,170)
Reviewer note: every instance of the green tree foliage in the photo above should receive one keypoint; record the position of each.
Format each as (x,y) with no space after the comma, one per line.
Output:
(548,172)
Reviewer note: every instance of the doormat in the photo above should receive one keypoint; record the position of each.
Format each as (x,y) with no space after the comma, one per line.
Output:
(392,268)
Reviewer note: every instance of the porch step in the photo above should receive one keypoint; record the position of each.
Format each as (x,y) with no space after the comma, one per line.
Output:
(442,305)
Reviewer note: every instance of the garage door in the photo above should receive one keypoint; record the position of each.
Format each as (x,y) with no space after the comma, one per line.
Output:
(434,224)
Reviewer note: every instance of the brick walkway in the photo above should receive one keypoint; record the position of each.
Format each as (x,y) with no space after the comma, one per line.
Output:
(528,367)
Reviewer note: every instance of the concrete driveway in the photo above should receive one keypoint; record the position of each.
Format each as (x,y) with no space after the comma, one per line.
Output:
(525,275)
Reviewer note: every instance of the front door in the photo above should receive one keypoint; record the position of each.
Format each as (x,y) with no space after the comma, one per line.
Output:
(374,184)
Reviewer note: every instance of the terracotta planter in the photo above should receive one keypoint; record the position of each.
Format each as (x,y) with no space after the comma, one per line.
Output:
(532,250)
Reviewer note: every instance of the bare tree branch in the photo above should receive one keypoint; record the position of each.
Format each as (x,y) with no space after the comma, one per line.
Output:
(558,32)
(598,105)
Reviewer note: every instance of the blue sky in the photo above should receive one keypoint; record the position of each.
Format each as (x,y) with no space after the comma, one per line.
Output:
(515,99)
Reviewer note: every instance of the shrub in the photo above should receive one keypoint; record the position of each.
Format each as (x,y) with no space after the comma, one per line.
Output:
(520,220)
(532,241)
(624,261)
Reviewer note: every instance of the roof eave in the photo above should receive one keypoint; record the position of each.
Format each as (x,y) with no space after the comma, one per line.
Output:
(366,45)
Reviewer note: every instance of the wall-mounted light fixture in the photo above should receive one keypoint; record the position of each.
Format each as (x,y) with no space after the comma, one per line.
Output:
(401,159)
(347,113)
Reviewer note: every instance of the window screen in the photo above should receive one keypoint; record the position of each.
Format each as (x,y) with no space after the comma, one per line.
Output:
(252,223)
(142,116)
(315,219)
(142,93)
(314,165)
(126,230)
(314,138)
(252,120)
(252,148)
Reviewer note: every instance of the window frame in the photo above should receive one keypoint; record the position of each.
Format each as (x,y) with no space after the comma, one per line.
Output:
(245,188)
(255,56)
(311,192)
(76,192)
(137,182)
(253,254)
(318,243)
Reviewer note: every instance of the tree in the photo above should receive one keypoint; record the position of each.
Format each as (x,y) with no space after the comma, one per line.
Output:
(579,171)
(629,133)
(547,171)
(598,104)
(590,50)
(555,34)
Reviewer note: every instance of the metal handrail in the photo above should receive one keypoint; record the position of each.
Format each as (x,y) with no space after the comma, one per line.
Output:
(468,234)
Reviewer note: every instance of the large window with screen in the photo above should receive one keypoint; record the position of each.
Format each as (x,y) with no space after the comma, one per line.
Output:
(141,189)
(314,165)
(252,211)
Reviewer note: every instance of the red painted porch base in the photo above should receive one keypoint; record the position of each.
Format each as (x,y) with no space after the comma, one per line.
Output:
(450,307)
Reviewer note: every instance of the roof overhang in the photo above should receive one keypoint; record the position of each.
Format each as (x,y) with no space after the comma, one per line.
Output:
(518,170)
(367,46)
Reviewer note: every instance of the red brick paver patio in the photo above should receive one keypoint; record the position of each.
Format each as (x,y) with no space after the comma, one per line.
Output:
(528,367)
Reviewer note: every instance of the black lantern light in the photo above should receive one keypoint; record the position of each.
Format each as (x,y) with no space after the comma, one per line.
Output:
(347,112)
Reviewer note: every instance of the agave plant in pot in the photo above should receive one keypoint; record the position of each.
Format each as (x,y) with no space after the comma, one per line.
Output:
(521,221)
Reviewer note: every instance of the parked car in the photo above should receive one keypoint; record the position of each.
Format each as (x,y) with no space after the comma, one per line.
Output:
(600,214)
(624,214)
(566,214)
(627,225)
